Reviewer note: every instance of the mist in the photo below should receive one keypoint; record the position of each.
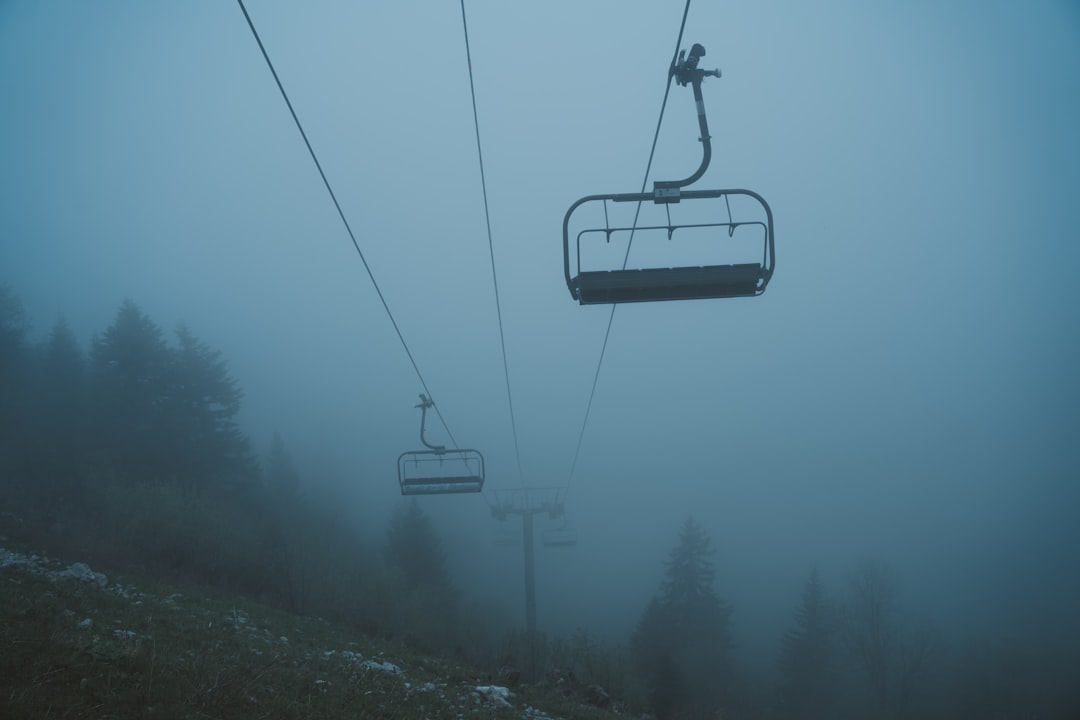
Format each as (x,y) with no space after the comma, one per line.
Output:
(906,390)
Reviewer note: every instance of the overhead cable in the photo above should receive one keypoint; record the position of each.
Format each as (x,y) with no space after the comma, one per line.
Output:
(491,244)
(341,214)
(626,258)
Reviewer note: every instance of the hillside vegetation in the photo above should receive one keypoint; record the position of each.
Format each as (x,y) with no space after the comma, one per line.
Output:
(75,643)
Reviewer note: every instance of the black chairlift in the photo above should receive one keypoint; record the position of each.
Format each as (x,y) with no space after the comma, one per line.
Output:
(438,471)
(723,237)
(561,536)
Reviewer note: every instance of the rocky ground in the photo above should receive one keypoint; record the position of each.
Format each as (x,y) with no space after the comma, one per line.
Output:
(75,643)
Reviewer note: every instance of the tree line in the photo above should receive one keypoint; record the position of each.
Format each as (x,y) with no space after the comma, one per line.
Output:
(130,454)
(855,653)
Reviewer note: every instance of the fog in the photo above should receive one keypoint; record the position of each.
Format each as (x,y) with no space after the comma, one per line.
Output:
(906,388)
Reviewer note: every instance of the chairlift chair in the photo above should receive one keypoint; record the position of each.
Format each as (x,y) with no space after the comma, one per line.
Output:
(723,237)
(438,471)
(559,537)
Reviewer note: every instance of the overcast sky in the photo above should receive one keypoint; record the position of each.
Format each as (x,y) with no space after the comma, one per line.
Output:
(907,387)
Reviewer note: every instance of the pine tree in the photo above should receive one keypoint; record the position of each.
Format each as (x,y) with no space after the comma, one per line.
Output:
(58,409)
(130,372)
(427,600)
(414,549)
(13,328)
(805,655)
(203,401)
(682,642)
(689,576)
(165,414)
(64,370)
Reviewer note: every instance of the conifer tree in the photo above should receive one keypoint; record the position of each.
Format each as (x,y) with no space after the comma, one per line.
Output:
(13,328)
(682,643)
(166,414)
(427,603)
(58,408)
(414,549)
(689,577)
(64,368)
(130,372)
(203,401)
(805,656)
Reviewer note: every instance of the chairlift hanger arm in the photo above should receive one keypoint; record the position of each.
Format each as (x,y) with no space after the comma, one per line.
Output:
(425,403)
(687,72)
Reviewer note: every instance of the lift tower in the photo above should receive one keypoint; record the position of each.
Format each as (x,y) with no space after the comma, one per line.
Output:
(527,502)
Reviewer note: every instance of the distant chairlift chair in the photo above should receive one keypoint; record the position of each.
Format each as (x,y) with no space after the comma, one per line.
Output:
(710,280)
(560,536)
(438,471)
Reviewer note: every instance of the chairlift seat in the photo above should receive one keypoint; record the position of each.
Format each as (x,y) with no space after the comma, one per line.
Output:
(679,283)
(560,537)
(441,485)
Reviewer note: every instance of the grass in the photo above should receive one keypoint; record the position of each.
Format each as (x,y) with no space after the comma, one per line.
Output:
(71,648)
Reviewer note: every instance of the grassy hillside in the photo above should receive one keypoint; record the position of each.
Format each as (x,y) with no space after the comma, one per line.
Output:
(77,644)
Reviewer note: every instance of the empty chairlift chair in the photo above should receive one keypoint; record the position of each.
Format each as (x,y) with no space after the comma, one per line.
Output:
(438,471)
(559,537)
(698,243)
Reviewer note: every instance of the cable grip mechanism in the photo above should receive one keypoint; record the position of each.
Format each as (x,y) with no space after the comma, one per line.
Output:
(686,72)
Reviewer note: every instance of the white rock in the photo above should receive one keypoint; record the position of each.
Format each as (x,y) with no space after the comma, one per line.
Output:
(81,572)
(388,666)
(495,694)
